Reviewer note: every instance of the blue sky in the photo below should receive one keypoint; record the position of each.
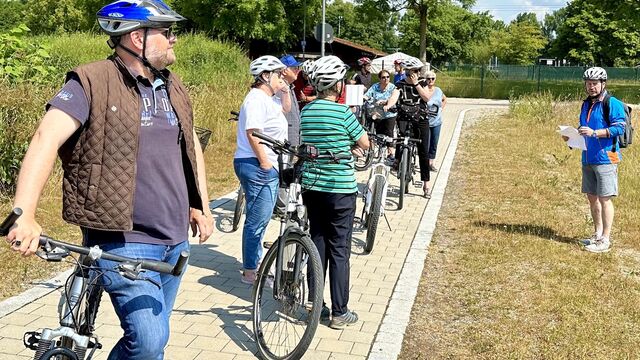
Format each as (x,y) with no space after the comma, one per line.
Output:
(506,10)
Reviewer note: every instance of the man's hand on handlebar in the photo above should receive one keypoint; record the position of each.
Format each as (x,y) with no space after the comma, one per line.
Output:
(24,236)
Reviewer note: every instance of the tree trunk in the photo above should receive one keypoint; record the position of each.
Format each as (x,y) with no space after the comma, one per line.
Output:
(423,11)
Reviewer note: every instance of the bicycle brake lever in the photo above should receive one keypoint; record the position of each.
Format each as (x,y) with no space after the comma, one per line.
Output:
(53,254)
(130,271)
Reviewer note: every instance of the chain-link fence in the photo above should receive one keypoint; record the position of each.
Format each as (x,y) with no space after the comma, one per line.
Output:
(505,81)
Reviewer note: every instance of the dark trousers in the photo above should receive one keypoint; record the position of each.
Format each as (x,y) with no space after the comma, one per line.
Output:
(331,225)
(418,131)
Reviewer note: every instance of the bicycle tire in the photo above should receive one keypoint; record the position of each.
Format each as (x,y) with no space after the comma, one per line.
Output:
(362,163)
(402,174)
(374,214)
(295,301)
(239,209)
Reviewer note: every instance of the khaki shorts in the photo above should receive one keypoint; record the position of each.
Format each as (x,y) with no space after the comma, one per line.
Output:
(600,180)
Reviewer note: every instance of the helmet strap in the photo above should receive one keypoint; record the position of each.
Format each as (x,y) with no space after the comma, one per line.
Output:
(143,59)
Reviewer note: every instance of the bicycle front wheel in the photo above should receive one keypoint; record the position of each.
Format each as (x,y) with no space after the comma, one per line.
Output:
(239,209)
(284,324)
(402,174)
(374,214)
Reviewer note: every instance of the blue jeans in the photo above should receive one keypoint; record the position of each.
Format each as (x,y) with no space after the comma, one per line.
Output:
(433,141)
(260,191)
(142,307)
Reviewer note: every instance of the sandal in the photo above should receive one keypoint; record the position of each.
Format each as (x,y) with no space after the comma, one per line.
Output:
(427,193)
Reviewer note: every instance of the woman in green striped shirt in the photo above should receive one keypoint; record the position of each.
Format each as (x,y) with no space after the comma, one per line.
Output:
(330,189)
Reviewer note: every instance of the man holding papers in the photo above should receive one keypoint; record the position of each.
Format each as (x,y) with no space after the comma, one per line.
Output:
(600,158)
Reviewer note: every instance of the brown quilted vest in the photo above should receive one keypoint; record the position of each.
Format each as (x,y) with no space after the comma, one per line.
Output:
(99,160)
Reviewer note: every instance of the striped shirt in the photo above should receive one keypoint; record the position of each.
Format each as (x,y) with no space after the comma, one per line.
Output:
(329,127)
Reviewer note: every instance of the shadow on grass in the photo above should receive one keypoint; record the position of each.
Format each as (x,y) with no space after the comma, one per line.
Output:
(542,232)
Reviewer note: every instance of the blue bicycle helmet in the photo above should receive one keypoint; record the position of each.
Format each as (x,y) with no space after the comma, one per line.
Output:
(124,16)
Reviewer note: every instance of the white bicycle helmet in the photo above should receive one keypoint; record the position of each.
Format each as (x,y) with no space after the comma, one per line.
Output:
(266,63)
(412,63)
(595,73)
(327,71)
(124,16)
(306,66)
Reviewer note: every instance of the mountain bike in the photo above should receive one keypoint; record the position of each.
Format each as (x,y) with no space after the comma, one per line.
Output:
(288,291)
(81,296)
(407,166)
(375,193)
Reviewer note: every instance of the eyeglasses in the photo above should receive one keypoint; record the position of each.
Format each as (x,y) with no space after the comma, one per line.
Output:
(168,33)
(384,77)
(431,78)
(278,73)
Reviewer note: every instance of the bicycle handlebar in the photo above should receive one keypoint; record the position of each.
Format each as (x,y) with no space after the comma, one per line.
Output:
(95,252)
(304,151)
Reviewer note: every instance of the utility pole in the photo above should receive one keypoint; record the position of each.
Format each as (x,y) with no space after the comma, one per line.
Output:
(323,28)
(339,21)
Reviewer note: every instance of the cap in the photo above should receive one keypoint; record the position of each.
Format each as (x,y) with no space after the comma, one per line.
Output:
(290,61)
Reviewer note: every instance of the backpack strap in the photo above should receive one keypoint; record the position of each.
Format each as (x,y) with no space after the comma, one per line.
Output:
(606,108)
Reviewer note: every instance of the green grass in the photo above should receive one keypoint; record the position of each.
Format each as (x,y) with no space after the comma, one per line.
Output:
(218,79)
(505,278)
(471,87)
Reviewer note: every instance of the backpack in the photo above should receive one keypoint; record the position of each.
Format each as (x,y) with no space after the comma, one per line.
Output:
(626,138)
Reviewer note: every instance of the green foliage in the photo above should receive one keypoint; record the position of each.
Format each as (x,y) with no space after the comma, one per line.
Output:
(363,23)
(600,33)
(277,21)
(10,14)
(48,16)
(22,58)
(520,44)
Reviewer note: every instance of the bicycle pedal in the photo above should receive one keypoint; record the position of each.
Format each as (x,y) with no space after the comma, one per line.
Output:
(267,244)
(31,340)
(94,344)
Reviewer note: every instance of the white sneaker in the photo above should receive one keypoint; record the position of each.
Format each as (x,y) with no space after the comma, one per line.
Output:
(600,245)
(589,241)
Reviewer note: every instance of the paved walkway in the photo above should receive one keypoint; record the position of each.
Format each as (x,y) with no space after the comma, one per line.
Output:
(212,318)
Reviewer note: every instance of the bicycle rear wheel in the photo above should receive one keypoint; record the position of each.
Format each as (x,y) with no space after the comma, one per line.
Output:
(374,214)
(239,209)
(284,325)
(402,174)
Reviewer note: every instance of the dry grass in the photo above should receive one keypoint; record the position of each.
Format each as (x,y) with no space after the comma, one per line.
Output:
(504,278)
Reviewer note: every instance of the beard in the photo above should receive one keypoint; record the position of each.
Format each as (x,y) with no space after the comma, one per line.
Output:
(160,59)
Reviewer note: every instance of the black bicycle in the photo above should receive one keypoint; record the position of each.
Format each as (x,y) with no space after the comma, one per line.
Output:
(238,209)
(288,292)
(407,166)
(82,293)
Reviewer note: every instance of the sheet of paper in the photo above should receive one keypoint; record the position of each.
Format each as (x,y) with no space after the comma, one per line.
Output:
(576,140)
(355,94)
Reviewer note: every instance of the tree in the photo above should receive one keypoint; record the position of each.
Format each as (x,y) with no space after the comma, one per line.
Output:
(10,14)
(363,23)
(520,44)
(421,8)
(599,33)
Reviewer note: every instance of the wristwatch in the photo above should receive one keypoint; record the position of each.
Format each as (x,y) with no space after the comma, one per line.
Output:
(593,134)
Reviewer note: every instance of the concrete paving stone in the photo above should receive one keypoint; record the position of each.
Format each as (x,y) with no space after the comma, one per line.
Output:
(335,346)
(10,346)
(360,349)
(181,339)
(208,343)
(315,355)
(12,332)
(108,330)
(29,308)
(339,356)
(210,355)
(238,347)
(356,336)
(378,309)
(173,352)
(374,299)
(19,319)
(209,330)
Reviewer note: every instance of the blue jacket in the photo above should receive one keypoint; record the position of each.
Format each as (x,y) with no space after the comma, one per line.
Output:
(600,150)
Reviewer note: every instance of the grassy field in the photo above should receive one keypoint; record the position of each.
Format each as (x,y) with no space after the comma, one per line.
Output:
(218,78)
(505,278)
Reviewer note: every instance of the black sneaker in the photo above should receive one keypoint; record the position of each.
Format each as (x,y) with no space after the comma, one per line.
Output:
(347,319)
(325,314)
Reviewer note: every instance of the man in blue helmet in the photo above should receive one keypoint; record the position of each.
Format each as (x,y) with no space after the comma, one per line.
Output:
(134,178)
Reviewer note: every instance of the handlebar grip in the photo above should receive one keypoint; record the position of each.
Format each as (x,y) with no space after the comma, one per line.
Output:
(235,113)
(342,156)
(264,137)
(181,264)
(158,266)
(9,221)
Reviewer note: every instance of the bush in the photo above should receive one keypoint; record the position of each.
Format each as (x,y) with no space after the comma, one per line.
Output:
(10,14)
(22,59)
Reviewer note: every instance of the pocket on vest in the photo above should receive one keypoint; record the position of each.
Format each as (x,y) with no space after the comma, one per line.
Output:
(92,190)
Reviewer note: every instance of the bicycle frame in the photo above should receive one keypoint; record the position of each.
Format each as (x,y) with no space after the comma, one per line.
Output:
(378,170)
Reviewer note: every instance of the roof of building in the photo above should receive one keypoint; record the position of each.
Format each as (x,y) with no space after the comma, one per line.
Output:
(359,46)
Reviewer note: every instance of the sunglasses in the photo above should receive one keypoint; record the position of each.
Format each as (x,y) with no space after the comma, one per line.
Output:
(384,77)
(431,78)
(168,33)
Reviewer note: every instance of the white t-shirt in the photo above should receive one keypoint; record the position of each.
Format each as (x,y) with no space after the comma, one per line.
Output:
(262,112)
